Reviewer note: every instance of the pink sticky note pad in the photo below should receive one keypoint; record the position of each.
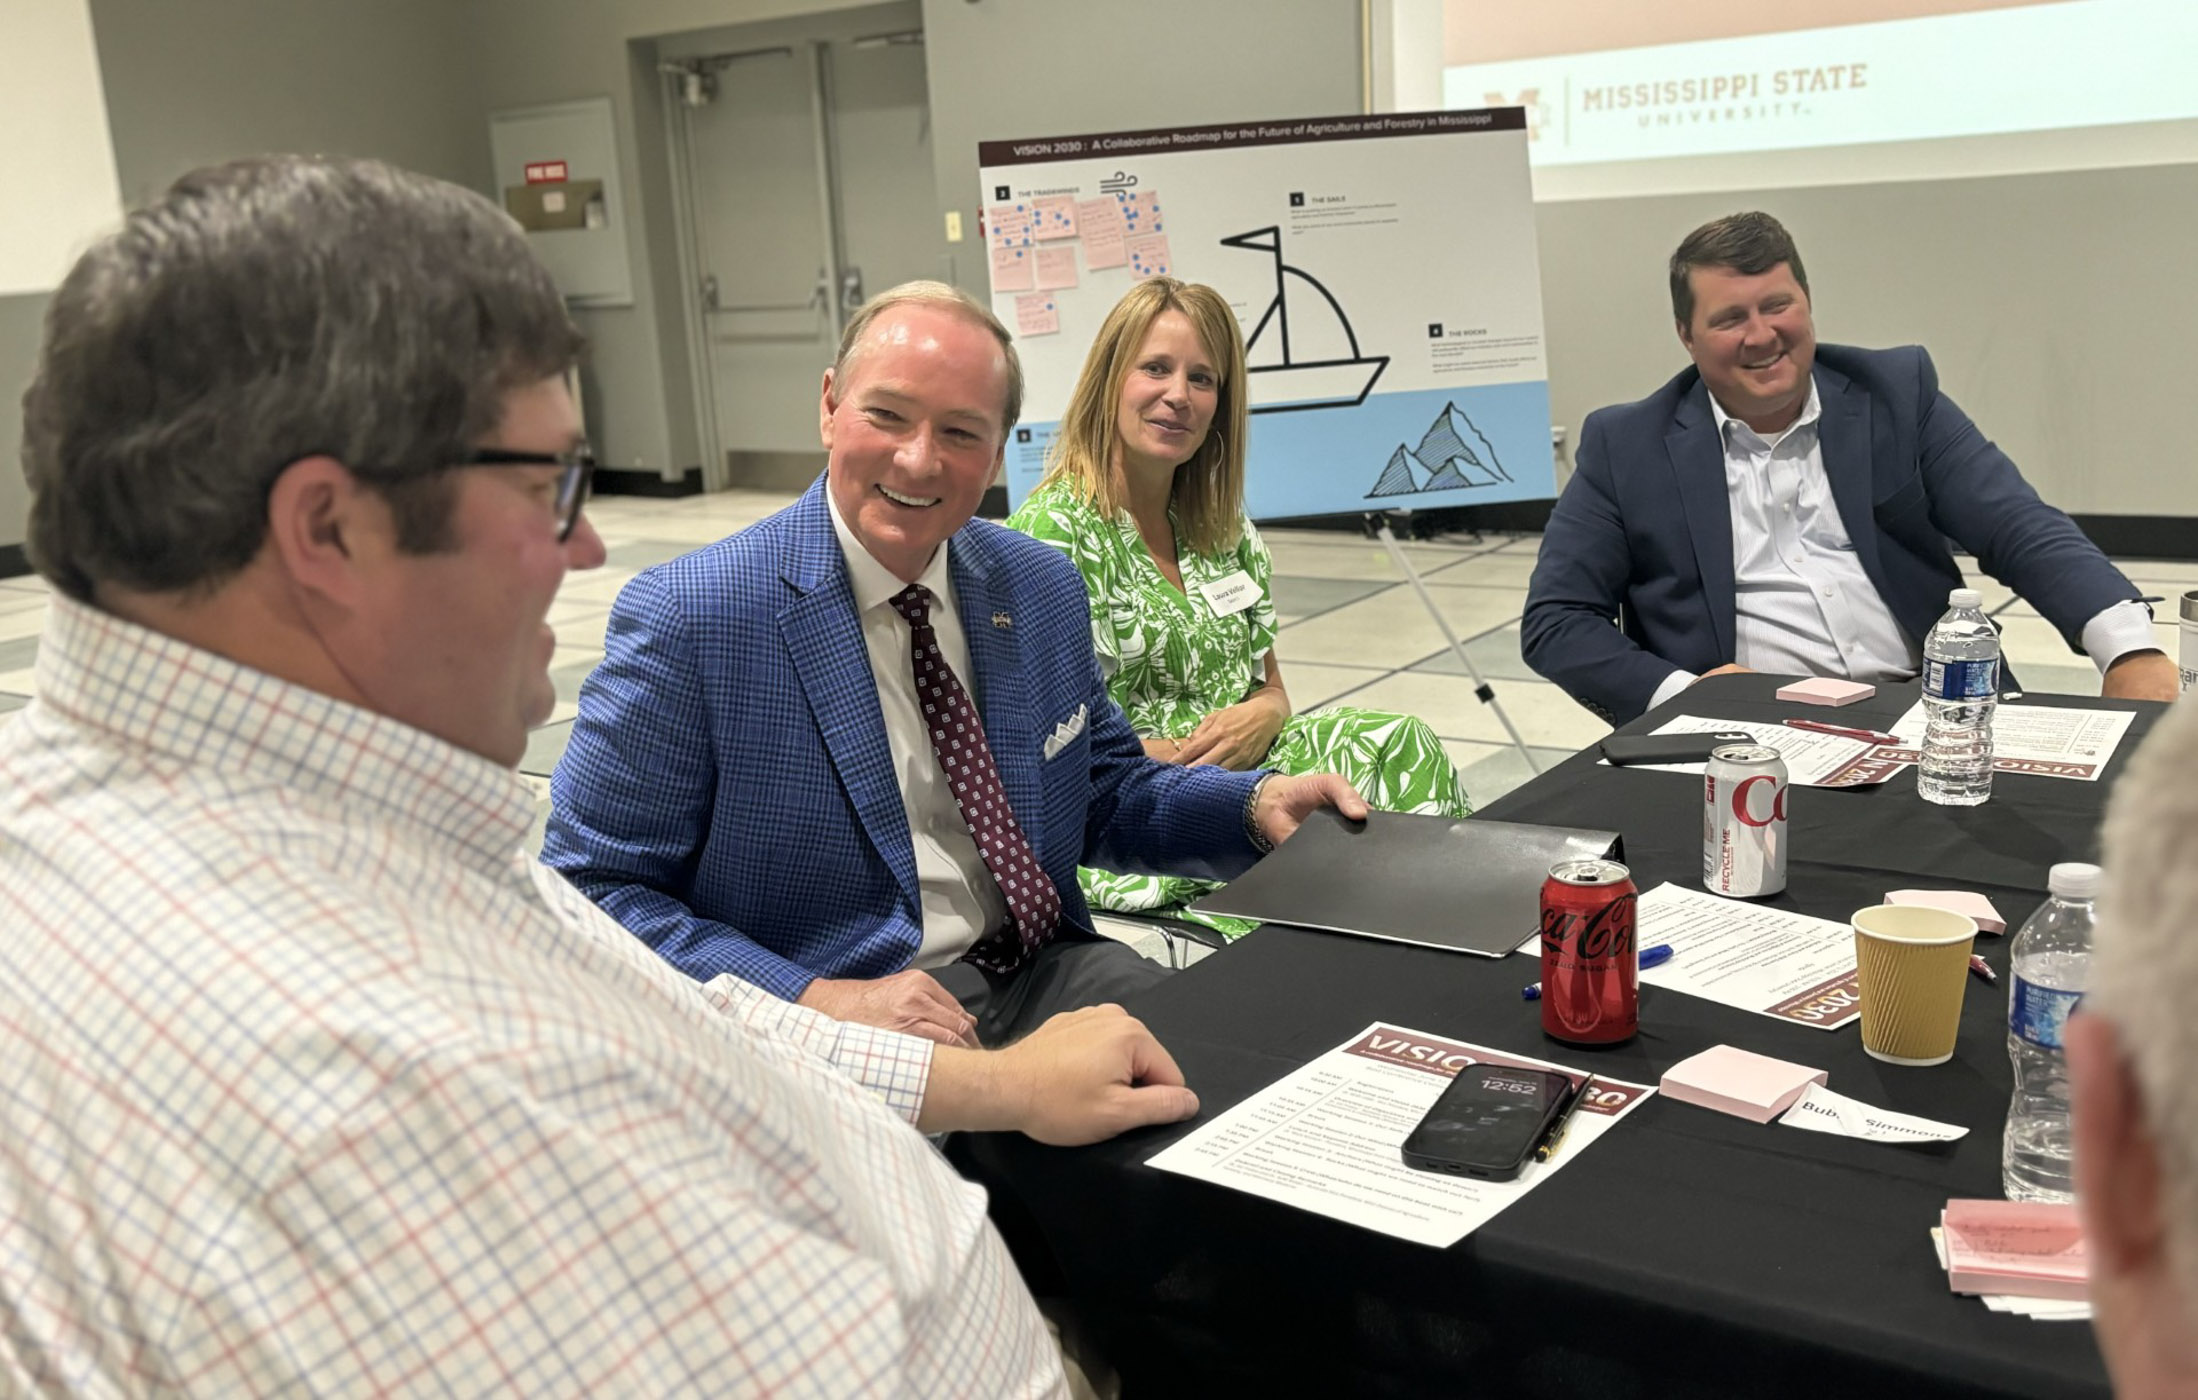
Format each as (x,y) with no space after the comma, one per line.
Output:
(2031,1249)
(1740,1082)
(1976,906)
(1823,690)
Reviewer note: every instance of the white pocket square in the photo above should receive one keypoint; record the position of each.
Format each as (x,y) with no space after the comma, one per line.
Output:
(1065,733)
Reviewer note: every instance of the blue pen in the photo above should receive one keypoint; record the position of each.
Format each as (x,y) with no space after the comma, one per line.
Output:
(1650,957)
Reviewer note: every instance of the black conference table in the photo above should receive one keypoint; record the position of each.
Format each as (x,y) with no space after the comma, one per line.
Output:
(1686,1253)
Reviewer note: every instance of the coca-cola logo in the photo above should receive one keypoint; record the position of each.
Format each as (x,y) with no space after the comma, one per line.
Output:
(1602,933)
(1743,803)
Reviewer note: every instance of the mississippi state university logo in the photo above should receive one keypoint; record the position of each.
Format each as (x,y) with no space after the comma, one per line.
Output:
(1537,115)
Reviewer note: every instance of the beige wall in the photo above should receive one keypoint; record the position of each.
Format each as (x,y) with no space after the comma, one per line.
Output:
(20,317)
(192,84)
(1006,68)
(640,400)
(995,66)
(2056,307)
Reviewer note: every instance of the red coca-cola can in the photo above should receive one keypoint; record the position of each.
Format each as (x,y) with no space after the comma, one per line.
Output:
(1744,821)
(1591,971)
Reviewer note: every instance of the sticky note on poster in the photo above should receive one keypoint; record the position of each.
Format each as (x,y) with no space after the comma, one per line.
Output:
(1141,213)
(1056,268)
(1013,270)
(1100,222)
(1008,225)
(1035,314)
(1149,256)
(1053,216)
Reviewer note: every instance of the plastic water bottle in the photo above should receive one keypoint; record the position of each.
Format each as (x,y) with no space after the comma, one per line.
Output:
(1961,687)
(2052,961)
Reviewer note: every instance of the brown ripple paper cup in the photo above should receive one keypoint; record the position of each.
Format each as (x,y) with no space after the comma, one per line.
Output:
(1914,965)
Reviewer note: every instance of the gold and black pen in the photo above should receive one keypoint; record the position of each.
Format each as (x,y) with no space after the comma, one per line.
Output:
(1555,1137)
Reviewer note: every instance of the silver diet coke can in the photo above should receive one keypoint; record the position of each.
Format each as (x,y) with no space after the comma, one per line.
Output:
(1744,821)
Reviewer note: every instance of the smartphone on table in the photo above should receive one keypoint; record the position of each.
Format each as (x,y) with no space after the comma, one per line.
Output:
(1622,749)
(1490,1121)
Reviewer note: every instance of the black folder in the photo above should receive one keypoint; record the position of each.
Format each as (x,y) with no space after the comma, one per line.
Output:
(1472,886)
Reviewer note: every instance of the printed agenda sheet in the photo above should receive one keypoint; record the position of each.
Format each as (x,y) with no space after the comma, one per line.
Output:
(1327,1138)
(1793,966)
(2043,740)
(1813,759)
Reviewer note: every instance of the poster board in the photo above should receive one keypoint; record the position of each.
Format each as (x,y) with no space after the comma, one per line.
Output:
(557,174)
(1383,269)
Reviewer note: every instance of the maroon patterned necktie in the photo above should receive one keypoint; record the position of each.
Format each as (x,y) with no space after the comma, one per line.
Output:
(958,740)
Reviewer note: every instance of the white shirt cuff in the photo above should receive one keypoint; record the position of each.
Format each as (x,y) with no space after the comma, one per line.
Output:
(2117,631)
(893,1066)
(1672,685)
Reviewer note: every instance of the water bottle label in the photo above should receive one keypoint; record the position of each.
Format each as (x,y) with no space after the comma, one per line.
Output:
(1961,680)
(2036,1014)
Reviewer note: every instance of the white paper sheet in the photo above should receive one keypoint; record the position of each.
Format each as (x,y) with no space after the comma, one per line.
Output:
(2043,740)
(1822,1111)
(1793,966)
(2038,1309)
(1327,1138)
(1812,759)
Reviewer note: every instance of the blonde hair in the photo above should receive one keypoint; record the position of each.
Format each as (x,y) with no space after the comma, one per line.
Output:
(2144,968)
(1208,494)
(947,298)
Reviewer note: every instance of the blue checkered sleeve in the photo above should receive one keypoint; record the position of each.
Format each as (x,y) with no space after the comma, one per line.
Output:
(631,798)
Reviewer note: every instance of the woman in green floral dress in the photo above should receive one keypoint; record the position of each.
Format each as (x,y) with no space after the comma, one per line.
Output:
(1144,490)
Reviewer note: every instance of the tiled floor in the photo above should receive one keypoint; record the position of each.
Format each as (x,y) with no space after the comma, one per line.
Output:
(1352,630)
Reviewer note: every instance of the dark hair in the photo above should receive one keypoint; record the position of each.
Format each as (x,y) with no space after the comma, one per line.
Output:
(259,312)
(1749,244)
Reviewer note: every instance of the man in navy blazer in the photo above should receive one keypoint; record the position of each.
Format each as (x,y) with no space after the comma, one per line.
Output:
(749,786)
(1783,506)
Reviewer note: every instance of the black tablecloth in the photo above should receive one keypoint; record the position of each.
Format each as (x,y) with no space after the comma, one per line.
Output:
(1687,1253)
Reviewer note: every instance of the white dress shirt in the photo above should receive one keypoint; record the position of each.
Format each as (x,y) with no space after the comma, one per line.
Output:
(961,901)
(1802,605)
(316,1083)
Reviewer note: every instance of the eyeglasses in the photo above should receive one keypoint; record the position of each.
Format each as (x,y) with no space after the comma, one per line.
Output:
(577,468)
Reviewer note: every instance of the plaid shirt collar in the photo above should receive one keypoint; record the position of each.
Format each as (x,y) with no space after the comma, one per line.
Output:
(151,691)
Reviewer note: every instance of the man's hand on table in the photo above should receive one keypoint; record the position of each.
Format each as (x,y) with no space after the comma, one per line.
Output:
(911,1002)
(1724,671)
(1082,1077)
(1285,803)
(2141,675)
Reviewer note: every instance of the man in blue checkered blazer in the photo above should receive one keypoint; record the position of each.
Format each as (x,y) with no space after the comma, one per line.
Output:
(749,787)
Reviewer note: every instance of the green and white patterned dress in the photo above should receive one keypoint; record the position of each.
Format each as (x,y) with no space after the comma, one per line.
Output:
(1170,661)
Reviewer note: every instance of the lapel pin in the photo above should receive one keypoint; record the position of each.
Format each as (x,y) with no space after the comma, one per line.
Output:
(1002,621)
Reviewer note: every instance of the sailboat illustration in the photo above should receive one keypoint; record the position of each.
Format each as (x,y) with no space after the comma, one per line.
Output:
(1299,362)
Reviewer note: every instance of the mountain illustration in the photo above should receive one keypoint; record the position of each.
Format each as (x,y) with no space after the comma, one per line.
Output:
(1404,475)
(1447,477)
(1451,437)
(1461,454)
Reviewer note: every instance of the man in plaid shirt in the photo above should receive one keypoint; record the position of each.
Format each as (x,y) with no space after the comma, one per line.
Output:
(312,1080)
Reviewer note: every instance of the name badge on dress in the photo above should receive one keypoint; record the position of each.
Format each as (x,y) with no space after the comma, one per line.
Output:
(1230,594)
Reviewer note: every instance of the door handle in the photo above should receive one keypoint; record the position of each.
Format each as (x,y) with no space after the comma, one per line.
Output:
(850,291)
